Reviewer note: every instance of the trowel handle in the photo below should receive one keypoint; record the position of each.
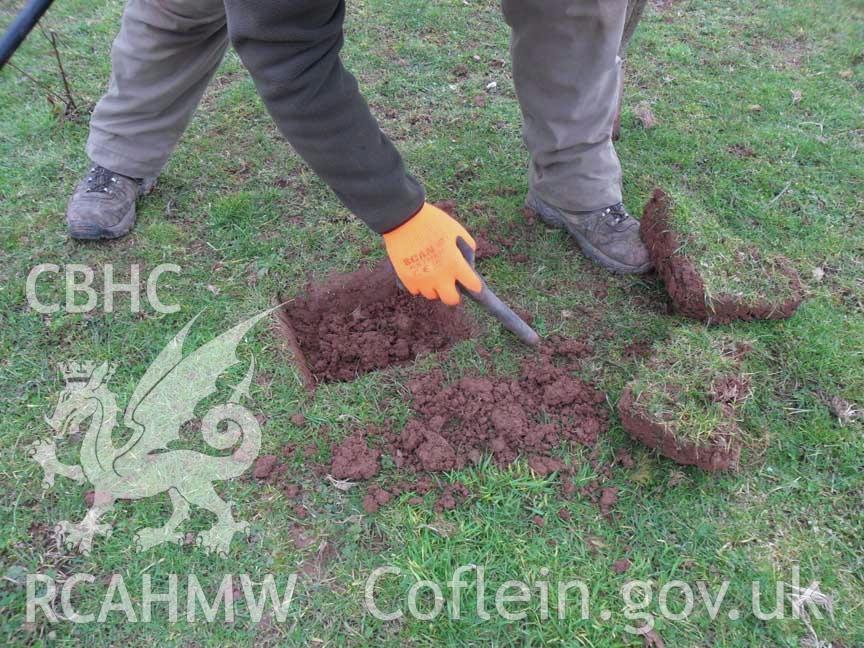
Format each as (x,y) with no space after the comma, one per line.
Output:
(467,252)
(494,306)
(470,256)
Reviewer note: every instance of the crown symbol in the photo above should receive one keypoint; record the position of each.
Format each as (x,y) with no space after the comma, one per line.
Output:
(77,371)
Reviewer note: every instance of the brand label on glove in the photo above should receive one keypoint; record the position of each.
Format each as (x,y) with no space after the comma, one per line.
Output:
(425,260)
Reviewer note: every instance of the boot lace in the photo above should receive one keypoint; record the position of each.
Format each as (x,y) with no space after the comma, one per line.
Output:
(617,212)
(101,180)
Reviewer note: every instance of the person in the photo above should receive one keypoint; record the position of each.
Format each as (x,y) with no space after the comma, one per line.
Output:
(565,69)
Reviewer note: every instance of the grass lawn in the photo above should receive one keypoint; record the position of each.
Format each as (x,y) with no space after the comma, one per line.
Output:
(760,123)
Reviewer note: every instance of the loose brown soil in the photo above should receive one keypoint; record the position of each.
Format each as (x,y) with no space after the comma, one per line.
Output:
(360,322)
(637,349)
(533,415)
(620,566)
(264,466)
(685,285)
(608,500)
(723,452)
(354,460)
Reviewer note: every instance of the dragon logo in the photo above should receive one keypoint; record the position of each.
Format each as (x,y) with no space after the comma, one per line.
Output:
(163,402)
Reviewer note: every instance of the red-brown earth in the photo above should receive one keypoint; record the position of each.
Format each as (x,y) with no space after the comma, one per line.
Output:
(355,323)
(685,286)
(536,414)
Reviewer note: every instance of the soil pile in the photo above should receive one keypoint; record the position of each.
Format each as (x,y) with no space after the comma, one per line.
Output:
(360,322)
(685,286)
(453,425)
(354,460)
(532,414)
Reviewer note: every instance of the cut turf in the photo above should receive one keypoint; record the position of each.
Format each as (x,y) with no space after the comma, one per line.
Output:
(710,274)
(684,400)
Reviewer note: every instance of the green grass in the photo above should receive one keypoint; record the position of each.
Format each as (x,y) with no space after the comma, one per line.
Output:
(676,386)
(245,220)
(731,267)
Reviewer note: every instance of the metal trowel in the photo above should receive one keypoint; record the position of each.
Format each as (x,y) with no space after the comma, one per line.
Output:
(489,301)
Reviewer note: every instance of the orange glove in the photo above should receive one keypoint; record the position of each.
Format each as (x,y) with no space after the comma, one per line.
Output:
(424,254)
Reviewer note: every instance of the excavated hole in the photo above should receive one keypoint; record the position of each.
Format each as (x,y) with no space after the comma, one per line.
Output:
(360,322)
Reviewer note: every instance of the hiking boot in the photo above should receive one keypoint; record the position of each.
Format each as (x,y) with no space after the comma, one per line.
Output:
(609,236)
(103,205)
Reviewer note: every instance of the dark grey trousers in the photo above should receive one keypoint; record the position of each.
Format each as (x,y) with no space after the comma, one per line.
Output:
(564,63)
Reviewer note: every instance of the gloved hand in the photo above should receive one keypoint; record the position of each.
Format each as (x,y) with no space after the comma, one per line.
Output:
(427,261)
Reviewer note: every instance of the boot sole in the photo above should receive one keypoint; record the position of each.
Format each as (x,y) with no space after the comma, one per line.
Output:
(587,248)
(82,232)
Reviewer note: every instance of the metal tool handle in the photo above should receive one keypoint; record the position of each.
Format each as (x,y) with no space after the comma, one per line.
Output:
(494,306)
(22,24)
